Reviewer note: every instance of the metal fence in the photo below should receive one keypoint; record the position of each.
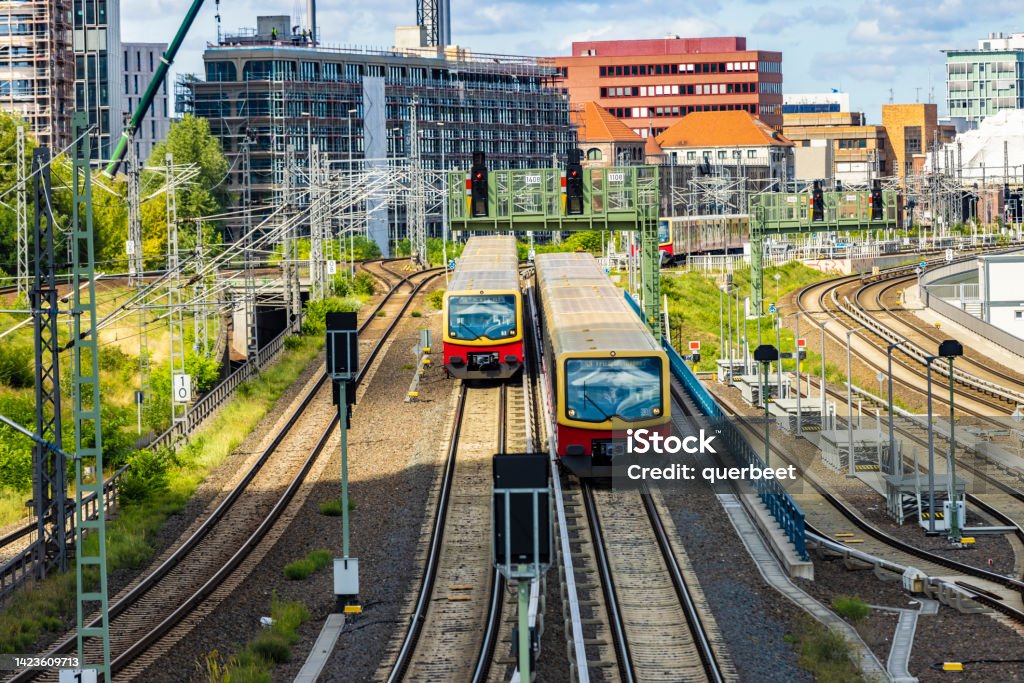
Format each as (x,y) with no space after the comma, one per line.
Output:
(779,503)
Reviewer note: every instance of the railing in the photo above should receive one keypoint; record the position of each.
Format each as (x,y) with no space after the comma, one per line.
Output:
(24,566)
(779,503)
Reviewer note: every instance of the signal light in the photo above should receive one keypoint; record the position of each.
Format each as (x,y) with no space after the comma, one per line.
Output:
(876,201)
(478,189)
(817,202)
(574,184)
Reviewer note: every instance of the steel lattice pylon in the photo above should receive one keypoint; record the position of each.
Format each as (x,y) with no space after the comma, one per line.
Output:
(91,565)
(49,479)
(21,211)
(317,276)
(177,326)
(134,244)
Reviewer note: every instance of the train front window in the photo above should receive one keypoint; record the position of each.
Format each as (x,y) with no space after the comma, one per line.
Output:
(663,234)
(598,389)
(473,317)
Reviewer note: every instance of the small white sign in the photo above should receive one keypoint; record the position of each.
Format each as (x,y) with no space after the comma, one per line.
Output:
(332,267)
(129,247)
(851,197)
(531,179)
(616,177)
(949,255)
(791,200)
(77,676)
(182,388)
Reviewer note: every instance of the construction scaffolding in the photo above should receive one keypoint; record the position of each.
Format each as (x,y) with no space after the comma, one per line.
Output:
(37,82)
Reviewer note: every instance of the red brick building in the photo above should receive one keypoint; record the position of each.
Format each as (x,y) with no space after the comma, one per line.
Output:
(651,84)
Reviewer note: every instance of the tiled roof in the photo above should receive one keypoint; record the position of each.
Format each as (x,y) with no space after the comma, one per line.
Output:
(720,129)
(651,147)
(597,124)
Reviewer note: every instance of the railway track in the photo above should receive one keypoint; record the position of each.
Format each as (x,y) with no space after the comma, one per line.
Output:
(195,568)
(658,616)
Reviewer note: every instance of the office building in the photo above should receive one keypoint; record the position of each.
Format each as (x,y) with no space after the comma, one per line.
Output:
(856,152)
(37,67)
(287,92)
(139,62)
(652,84)
(986,80)
(815,103)
(96,42)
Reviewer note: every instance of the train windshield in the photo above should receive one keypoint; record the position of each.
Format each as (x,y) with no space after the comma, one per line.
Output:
(598,389)
(473,317)
(663,235)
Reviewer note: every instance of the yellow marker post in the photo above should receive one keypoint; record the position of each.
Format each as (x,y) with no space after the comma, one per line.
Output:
(952,666)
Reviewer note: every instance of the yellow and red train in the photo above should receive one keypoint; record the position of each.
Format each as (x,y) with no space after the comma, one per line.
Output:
(483,311)
(608,373)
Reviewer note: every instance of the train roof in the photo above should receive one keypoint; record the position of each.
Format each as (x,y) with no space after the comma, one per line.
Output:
(583,311)
(489,263)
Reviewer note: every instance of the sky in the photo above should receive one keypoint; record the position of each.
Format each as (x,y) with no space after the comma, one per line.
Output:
(873,50)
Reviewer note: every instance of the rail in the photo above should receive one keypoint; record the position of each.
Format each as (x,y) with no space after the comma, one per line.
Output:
(779,503)
(920,355)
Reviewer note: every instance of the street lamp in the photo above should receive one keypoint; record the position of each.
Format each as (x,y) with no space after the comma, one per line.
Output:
(849,399)
(892,434)
(444,202)
(950,349)
(766,354)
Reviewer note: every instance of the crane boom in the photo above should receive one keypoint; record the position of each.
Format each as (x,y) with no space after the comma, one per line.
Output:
(158,77)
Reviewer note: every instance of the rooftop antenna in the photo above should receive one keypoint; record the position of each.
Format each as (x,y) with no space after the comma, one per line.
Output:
(917,94)
(892,96)
(217,17)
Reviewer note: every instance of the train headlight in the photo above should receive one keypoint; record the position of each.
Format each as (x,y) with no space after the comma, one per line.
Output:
(657,411)
(572,413)
(453,333)
(512,332)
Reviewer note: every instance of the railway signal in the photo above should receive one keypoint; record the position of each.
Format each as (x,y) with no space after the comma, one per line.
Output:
(877,212)
(478,186)
(521,544)
(343,366)
(574,184)
(817,202)
(950,349)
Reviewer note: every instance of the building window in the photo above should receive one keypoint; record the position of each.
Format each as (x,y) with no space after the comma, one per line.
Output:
(722,154)
(594,154)
(691,156)
(751,153)
(1018,315)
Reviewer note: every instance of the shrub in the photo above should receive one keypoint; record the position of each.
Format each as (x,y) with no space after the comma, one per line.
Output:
(315,321)
(364,284)
(825,653)
(292,342)
(416,314)
(300,569)
(148,476)
(332,508)
(436,299)
(272,647)
(16,364)
(850,607)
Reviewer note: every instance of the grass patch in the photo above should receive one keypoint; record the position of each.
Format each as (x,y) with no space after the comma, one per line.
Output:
(436,299)
(408,366)
(48,605)
(381,313)
(416,314)
(825,653)
(850,607)
(332,508)
(269,648)
(314,560)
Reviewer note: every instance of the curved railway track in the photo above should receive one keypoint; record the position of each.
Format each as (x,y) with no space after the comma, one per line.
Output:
(387,277)
(201,563)
(853,517)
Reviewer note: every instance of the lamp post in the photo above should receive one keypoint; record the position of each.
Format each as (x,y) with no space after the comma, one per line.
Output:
(849,400)
(765,354)
(796,354)
(931,450)
(778,345)
(892,433)
(444,203)
(950,349)
(823,406)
